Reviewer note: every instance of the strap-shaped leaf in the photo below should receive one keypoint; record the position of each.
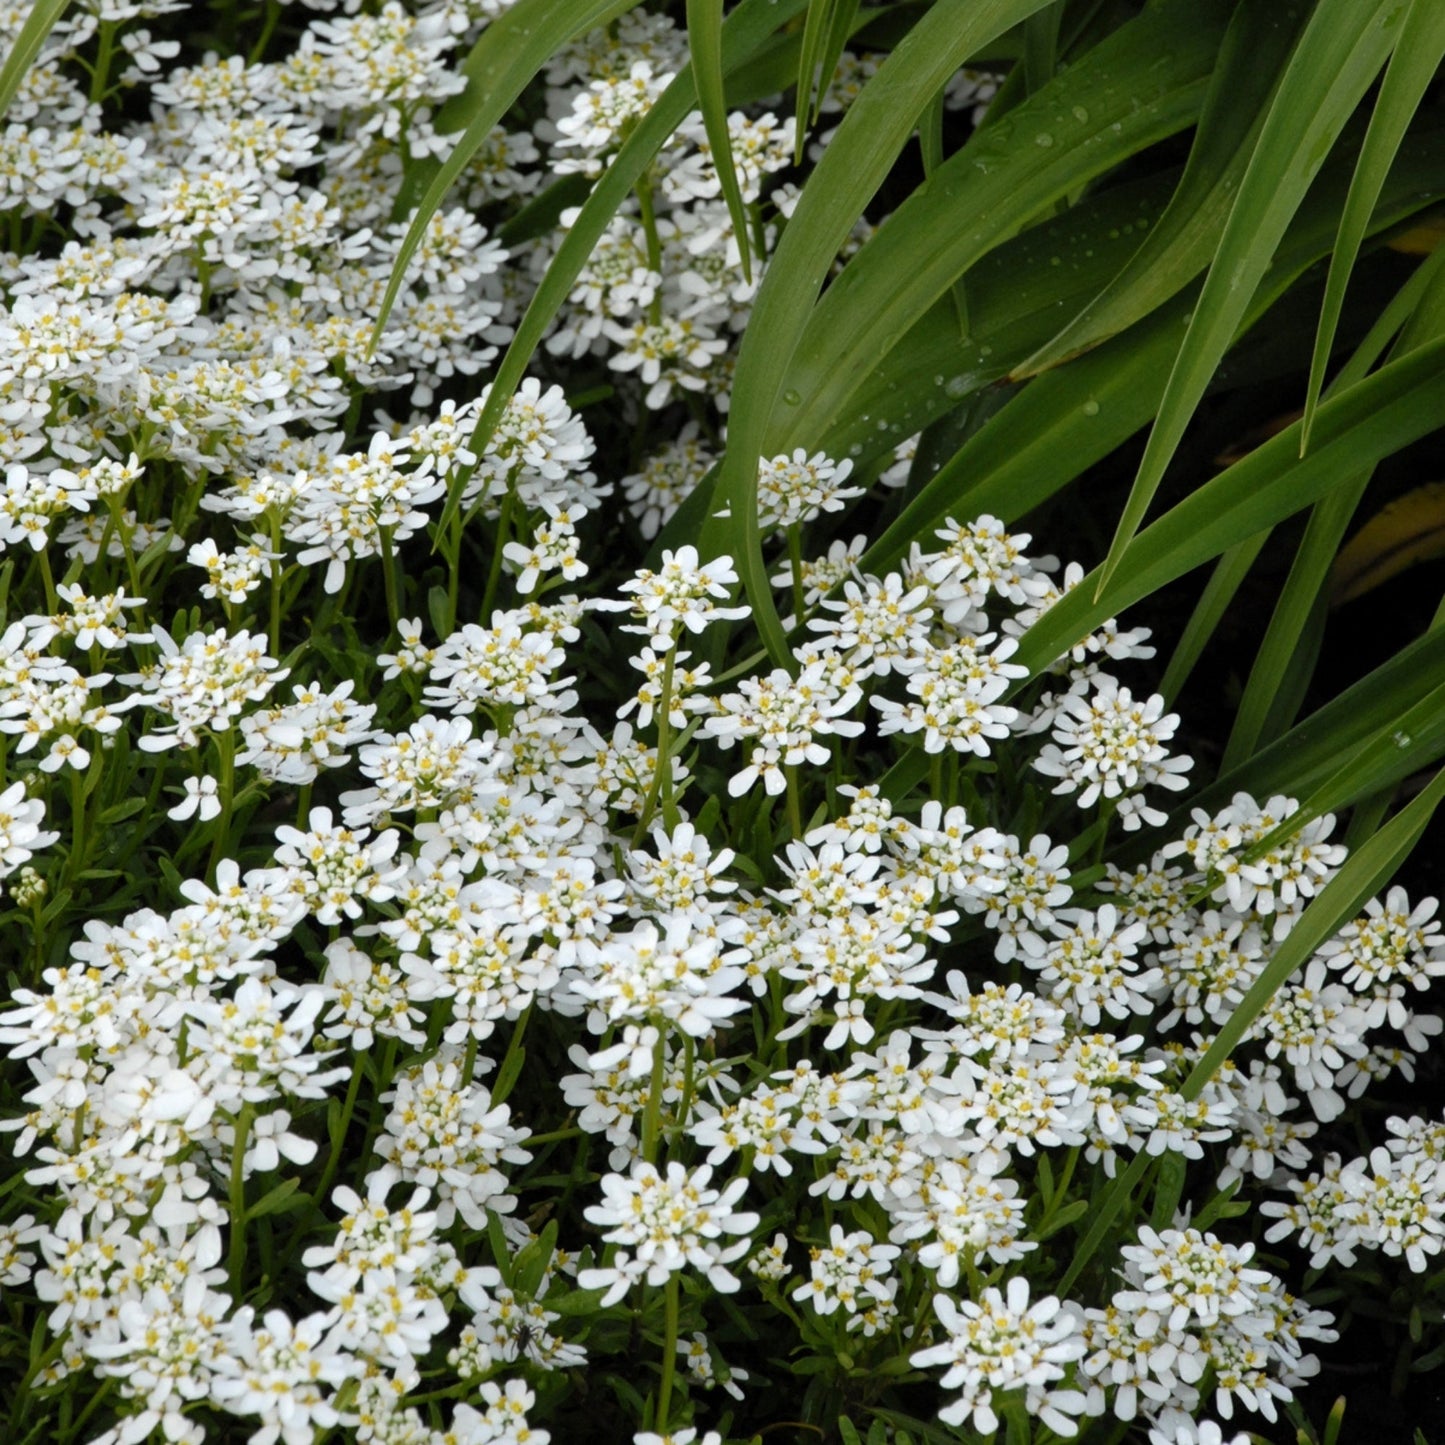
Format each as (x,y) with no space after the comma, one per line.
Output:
(704,42)
(1400,403)
(1213,605)
(1143,83)
(850,172)
(1069,418)
(1259,717)
(43,17)
(1362,876)
(1313,750)
(1016,292)
(1338,57)
(1408,76)
(1341,899)
(1041,46)
(509,52)
(1259,38)
(744,31)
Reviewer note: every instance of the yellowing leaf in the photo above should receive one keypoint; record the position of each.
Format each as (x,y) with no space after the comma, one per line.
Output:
(1427,235)
(1410,529)
(1256,437)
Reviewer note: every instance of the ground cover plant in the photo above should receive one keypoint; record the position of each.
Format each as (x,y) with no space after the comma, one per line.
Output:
(574,868)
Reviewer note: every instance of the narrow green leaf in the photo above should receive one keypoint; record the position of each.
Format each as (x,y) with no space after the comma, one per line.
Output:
(815,27)
(278,1200)
(1214,602)
(1260,717)
(704,42)
(870,138)
(1337,59)
(1253,52)
(43,17)
(1306,756)
(841,25)
(1144,83)
(1014,295)
(1338,902)
(1408,76)
(747,28)
(1402,746)
(510,51)
(1361,877)
(1398,404)
(1041,46)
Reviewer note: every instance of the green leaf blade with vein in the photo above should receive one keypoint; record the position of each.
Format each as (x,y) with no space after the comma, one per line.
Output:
(872,135)
(1004,177)
(1341,52)
(1359,879)
(1381,414)
(1258,39)
(704,42)
(744,32)
(1340,901)
(1412,68)
(43,18)
(511,51)
(1265,711)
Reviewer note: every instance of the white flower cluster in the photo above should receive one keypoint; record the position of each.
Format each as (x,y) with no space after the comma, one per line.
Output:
(423,896)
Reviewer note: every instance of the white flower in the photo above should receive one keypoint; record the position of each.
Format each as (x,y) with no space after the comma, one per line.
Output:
(20,834)
(1112,747)
(851,1271)
(667,1222)
(200,797)
(1002,1344)
(684,592)
(276,1371)
(798,488)
(783,716)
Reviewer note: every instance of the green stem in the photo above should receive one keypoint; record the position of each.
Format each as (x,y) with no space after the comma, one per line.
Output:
(662,772)
(504,527)
(236,1263)
(669,1354)
(795,557)
(101,72)
(52,598)
(652,1116)
(689,1061)
(273,14)
(225,788)
(277,568)
(97,1398)
(78,840)
(505,1081)
(388,573)
(338,1146)
(654,242)
(795,805)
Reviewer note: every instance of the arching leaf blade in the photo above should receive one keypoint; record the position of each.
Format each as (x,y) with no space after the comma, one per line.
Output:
(43,18)
(872,134)
(1412,68)
(704,43)
(1007,175)
(1374,418)
(509,52)
(1072,416)
(1259,38)
(1259,716)
(1337,59)
(1338,902)
(749,26)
